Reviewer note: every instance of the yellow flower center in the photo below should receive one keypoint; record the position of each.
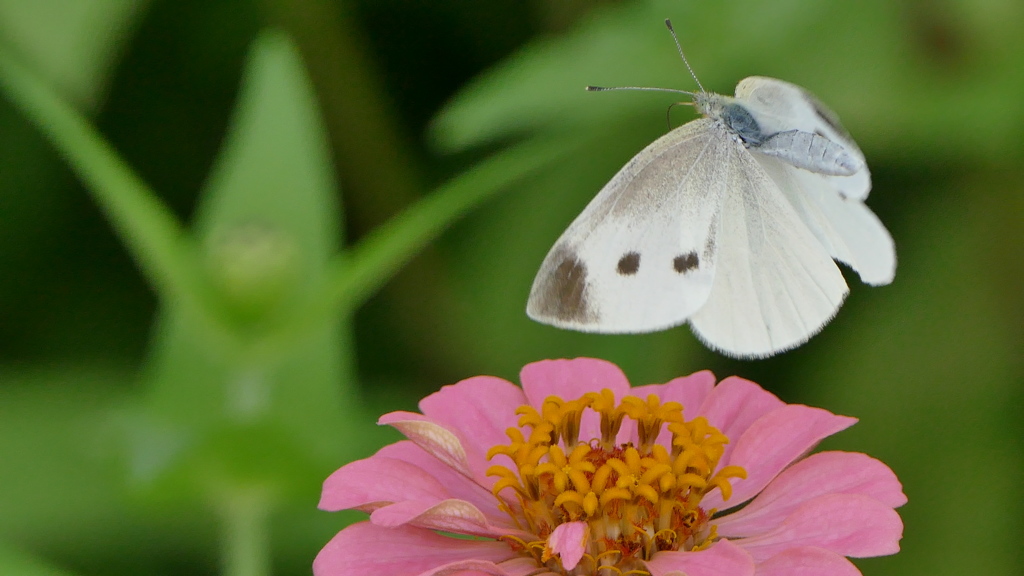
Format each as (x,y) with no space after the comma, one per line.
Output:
(637,499)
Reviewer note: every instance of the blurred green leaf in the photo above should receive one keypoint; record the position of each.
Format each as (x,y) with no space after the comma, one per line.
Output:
(268,221)
(70,44)
(275,168)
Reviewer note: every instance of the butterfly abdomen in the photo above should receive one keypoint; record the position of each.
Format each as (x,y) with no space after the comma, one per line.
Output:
(811,152)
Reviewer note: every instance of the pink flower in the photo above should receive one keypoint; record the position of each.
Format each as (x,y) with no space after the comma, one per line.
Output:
(577,473)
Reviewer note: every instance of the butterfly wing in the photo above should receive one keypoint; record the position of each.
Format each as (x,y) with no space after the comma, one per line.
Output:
(780,106)
(847,228)
(775,285)
(831,206)
(641,256)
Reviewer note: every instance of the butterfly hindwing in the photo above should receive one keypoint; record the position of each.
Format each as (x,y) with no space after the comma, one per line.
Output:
(779,106)
(775,285)
(847,228)
(831,206)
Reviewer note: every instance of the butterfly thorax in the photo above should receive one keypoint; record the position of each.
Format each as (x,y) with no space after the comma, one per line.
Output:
(732,115)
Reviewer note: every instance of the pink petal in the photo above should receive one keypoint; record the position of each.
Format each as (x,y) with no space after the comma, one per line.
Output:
(439,441)
(571,379)
(807,561)
(374,482)
(733,406)
(478,411)
(772,443)
(364,549)
(847,524)
(569,542)
(398,472)
(816,475)
(723,558)
(455,516)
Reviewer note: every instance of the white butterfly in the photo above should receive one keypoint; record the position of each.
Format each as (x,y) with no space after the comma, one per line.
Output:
(730,222)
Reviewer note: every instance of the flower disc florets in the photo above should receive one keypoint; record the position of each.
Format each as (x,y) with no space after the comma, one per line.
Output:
(635,498)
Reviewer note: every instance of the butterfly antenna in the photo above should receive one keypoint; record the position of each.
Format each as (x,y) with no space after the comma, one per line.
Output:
(648,88)
(679,47)
(652,89)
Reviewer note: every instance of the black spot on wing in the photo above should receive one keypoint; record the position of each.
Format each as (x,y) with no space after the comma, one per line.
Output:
(685,262)
(629,264)
(563,293)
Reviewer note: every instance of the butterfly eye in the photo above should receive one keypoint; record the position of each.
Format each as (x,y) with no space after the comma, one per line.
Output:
(685,262)
(629,264)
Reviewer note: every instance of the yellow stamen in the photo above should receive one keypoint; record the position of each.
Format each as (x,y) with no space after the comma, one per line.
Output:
(637,499)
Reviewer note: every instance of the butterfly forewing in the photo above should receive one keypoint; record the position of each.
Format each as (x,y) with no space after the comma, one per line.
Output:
(641,255)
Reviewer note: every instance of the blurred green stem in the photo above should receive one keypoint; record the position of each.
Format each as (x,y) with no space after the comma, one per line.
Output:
(246,537)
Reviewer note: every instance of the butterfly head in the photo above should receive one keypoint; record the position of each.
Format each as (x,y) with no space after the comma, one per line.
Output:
(710,104)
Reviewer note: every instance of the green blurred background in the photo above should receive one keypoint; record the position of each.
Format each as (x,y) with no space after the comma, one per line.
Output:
(353,200)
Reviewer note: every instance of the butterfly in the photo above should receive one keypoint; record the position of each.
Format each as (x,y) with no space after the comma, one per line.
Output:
(730,222)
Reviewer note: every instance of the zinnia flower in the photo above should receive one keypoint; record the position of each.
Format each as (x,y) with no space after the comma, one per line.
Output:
(576,473)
